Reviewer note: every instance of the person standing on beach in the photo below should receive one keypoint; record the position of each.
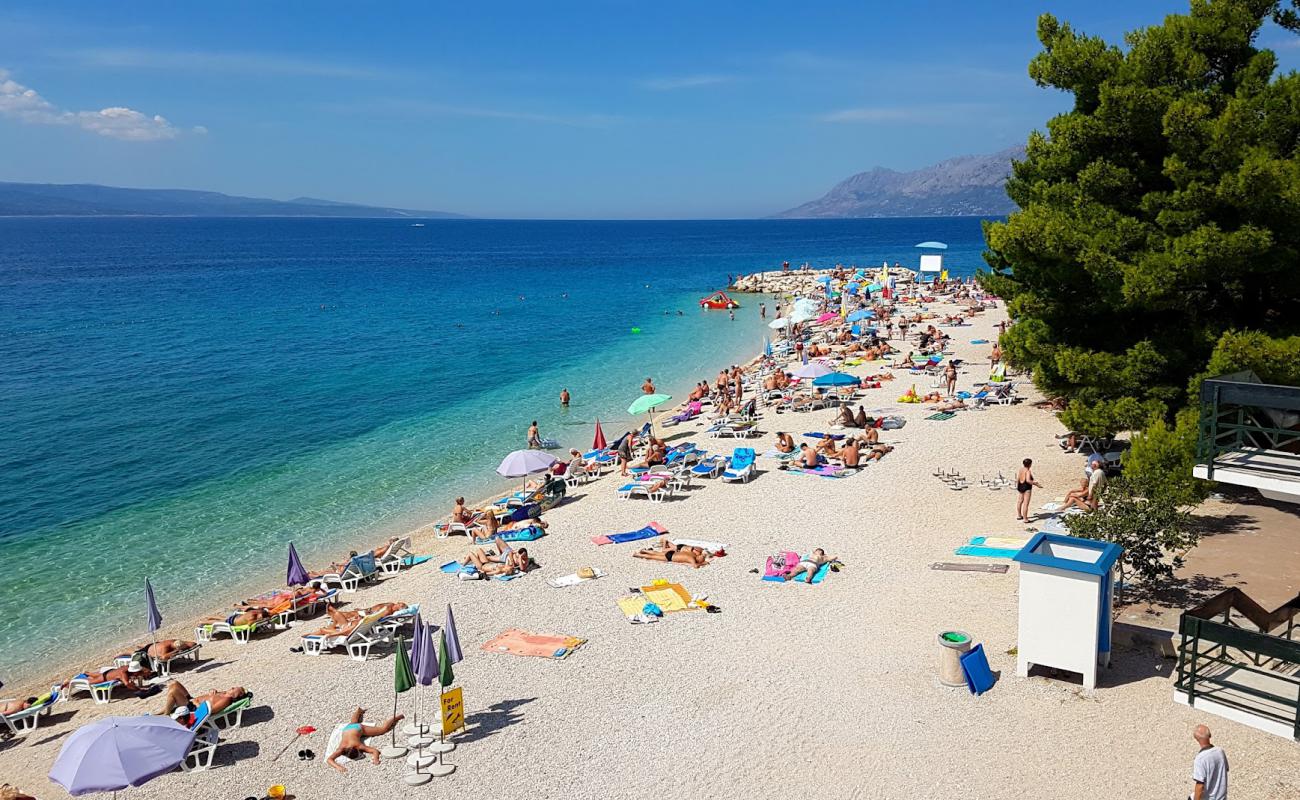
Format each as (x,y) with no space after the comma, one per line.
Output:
(762,311)
(648,387)
(950,376)
(1209,768)
(564,398)
(1025,484)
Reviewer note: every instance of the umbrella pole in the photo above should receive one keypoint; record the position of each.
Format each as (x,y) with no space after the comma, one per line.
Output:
(394,750)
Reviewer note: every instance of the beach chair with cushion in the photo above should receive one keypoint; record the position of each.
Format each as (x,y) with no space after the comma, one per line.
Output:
(163,667)
(358,643)
(390,624)
(709,467)
(232,716)
(390,561)
(99,692)
(741,467)
(360,568)
(21,723)
(206,738)
(209,630)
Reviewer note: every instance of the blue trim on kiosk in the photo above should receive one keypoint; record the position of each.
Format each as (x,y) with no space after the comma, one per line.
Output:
(1109,553)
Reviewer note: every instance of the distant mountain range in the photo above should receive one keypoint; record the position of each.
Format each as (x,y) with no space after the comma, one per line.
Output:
(91,200)
(966,185)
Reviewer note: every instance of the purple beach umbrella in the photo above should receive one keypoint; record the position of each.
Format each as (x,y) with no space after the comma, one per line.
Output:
(521,463)
(417,630)
(297,573)
(116,752)
(155,616)
(428,668)
(453,640)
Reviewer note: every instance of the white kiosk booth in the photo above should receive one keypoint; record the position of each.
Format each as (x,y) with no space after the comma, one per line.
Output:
(1066,589)
(931,260)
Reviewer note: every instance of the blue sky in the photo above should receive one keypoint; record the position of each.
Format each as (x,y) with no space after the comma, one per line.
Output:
(720,108)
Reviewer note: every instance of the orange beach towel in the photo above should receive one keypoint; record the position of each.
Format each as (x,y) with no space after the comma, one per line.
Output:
(522,643)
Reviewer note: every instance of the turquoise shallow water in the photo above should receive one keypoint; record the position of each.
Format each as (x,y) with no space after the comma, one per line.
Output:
(181,397)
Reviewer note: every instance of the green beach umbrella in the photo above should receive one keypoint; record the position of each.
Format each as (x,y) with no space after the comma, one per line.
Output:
(645,404)
(403,680)
(445,676)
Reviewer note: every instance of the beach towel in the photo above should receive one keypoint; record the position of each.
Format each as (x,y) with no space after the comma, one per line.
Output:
(454,567)
(981,551)
(818,576)
(572,579)
(979,341)
(632,606)
(669,597)
(949,566)
(413,561)
(648,532)
(826,471)
(517,642)
(941,416)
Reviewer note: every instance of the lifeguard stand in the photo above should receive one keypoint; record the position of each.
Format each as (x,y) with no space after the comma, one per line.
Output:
(1066,593)
(931,259)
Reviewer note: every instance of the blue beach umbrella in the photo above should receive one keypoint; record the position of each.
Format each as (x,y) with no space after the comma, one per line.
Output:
(767,347)
(861,313)
(155,616)
(428,666)
(116,752)
(836,379)
(297,573)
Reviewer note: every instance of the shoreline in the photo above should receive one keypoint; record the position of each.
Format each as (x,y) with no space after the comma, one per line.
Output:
(105,648)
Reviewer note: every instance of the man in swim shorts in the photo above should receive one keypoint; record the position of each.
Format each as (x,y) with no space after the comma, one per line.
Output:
(809,566)
(181,706)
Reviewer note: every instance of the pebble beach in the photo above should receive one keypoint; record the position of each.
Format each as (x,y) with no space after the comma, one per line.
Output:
(792,690)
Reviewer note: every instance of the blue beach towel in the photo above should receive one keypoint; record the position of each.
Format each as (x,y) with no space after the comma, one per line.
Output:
(530,534)
(412,561)
(453,567)
(648,532)
(818,576)
(979,341)
(975,666)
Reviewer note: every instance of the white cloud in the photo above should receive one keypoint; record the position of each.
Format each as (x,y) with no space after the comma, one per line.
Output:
(871,114)
(422,108)
(24,104)
(684,82)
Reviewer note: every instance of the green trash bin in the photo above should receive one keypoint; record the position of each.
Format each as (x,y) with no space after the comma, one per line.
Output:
(952,644)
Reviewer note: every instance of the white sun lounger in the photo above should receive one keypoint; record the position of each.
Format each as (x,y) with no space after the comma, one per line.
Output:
(21,723)
(358,643)
(390,561)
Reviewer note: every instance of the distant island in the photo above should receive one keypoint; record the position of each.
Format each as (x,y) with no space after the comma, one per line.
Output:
(962,186)
(91,200)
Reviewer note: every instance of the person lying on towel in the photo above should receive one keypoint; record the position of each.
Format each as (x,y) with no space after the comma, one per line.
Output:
(676,554)
(353,745)
(181,706)
(809,566)
(507,561)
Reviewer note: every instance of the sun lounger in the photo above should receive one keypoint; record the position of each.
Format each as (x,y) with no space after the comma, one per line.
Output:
(390,561)
(741,467)
(710,467)
(163,667)
(531,533)
(390,624)
(360,568)
(101,692)
(21,723)
(358,643)
(232,716)
(209,630)
(204,749)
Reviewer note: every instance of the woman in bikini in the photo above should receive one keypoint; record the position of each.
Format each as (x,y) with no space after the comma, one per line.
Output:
(1025,484)
(784,444)
(675,554)
(352,744)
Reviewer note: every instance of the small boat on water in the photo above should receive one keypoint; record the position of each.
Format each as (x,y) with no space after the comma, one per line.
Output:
(718,300)
(417,224)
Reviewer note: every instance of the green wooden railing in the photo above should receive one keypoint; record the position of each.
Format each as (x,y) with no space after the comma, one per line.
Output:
(1208,642)
(1234,419)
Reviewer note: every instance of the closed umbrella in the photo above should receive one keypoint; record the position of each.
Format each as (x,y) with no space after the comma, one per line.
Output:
(836,379)
(453,639)
(599,442)
(813,369)
(297,575)
(521,463)
(116,752)
(767,347)
(154,615)
(403,680)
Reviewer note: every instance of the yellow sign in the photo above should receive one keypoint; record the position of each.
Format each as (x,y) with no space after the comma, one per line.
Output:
(453,711)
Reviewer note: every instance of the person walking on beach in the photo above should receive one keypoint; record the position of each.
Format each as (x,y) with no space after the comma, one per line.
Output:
(534,437)
(950,376)
(1025,484)
(1209,768)
(564,398)
(648,387)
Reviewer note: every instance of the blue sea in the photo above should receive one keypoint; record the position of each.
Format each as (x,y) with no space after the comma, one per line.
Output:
(183,397)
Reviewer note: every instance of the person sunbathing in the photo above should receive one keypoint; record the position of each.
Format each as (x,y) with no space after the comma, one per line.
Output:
(281,598)
(131,677)
(14,706)
(181,706)
(242,616)
(461,514)
(382,550)
(505,562)
(845,419)
(343,619)
(676,554)
(784,444)
(871,436)
(335,568)
(951,405)
(352,743)
(165,649)
(827,447)
(877,451)
(809,566)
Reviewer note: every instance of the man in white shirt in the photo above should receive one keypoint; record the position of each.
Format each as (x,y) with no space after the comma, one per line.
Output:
(1209,769)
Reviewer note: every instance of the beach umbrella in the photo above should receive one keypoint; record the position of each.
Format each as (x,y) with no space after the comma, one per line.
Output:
(522,463)
(836,379)
(116,752)
(297,572)
(155,616)
(417,630)
(861,313)
(767,347)
(445,676)
(403,680)
(827,317)
(824,279)
(933,245)
(646,403)
(453,639)
(429,665)
(599,442)
(783,322)
(815,369)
